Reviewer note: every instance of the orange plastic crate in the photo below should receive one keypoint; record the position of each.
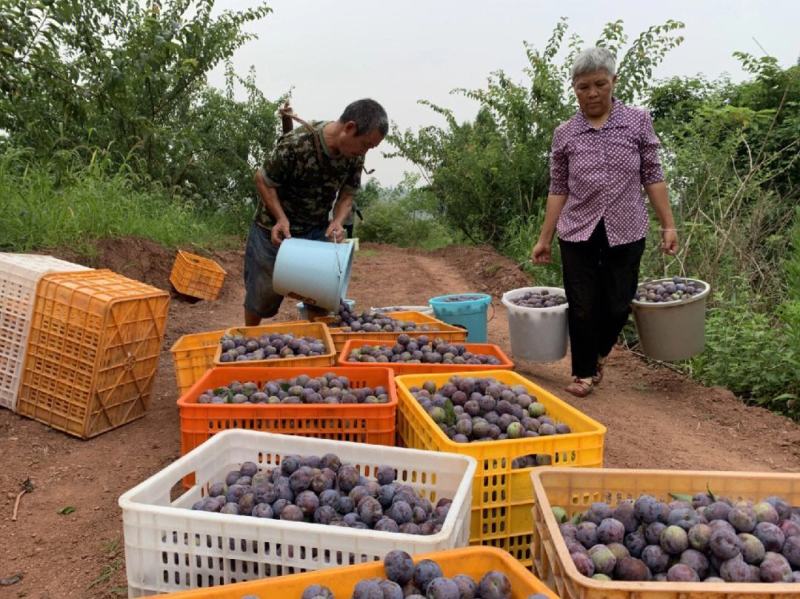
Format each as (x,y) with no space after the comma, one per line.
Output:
(298,329)
(364,423)
(197,276)
(575,489)
(437,328)
(401,368)
(93,351)
(473,561)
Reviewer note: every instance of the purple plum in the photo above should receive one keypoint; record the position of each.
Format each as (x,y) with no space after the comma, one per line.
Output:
(494,585)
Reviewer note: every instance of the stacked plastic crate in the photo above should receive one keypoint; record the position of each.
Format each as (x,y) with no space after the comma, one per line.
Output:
(19,276)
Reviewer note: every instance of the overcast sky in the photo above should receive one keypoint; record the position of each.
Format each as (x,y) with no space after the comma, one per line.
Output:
(329,53)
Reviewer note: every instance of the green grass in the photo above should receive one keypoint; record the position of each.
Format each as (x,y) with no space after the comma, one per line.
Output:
(44,207)
(111,551)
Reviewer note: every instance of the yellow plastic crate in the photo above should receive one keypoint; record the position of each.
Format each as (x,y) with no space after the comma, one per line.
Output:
(436,328)
(93,351)
(193,355)
(576,489)
(296,328)
(197,276)
(473,561)
(502,496)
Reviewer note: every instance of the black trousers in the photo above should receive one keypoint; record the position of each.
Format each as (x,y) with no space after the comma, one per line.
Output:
(600,282)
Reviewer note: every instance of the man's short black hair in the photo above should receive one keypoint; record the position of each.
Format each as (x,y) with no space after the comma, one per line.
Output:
(368,115)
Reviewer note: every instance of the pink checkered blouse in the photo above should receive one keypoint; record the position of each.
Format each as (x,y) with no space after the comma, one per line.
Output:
(602,172)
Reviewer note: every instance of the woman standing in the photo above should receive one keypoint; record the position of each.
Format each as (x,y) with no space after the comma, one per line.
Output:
(600,161)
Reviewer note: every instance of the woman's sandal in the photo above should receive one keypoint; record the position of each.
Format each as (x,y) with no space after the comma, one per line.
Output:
(598,378)
(580,387)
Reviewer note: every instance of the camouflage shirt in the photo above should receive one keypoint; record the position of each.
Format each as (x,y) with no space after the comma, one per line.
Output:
(306,187)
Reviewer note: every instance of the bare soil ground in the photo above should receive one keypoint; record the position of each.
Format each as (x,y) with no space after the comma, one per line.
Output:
(655,418)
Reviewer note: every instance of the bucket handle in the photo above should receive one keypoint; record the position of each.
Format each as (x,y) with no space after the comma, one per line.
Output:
(677,257)
(338,258)
(494,311)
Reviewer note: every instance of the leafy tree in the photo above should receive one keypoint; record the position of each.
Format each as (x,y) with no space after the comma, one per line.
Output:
(733,160)
(487,172)
(130,78)
(403,215)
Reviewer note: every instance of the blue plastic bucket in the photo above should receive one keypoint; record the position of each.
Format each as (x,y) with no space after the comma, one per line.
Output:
(316,272)
(302,312)
(466,310)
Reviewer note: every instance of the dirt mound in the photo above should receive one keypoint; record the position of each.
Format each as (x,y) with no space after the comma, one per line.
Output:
(139,259)
(147,261)
(485,269)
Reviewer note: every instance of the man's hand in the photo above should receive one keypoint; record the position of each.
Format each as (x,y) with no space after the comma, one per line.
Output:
(540,254)
(335,231)
(669,241)
(280,232)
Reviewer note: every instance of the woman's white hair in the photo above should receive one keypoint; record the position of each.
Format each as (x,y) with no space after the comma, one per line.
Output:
(594,59)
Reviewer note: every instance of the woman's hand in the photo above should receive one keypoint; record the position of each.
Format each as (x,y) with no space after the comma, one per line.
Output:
(540,254)
(669,241)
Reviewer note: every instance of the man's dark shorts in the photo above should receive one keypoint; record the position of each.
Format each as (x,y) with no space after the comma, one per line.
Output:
(259,264)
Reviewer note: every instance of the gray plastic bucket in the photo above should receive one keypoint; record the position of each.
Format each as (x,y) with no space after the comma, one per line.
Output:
(670,331)
(316,272)
(537,334)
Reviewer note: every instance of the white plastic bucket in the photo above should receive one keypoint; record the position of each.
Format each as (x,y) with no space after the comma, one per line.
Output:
(670,331)
(316,272)
(537,334)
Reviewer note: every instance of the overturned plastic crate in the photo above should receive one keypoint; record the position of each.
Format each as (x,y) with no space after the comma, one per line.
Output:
(472,561)
(170,547)
(197,276)
(372,423)
(428,325)
(93,351)
(501,497)
(575,489)
(19,276)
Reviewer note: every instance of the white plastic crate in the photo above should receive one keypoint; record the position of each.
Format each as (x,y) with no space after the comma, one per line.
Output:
(19,276)
(170,547)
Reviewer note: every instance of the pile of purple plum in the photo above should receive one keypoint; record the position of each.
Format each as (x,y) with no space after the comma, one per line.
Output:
(372,322)
(692,539)
(328,388)
(420,351)
(322,490)
(275,346)
(425,579)
(539,299)
(473,409)
(669,291)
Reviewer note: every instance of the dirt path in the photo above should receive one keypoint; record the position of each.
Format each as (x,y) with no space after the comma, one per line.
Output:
(655,419)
